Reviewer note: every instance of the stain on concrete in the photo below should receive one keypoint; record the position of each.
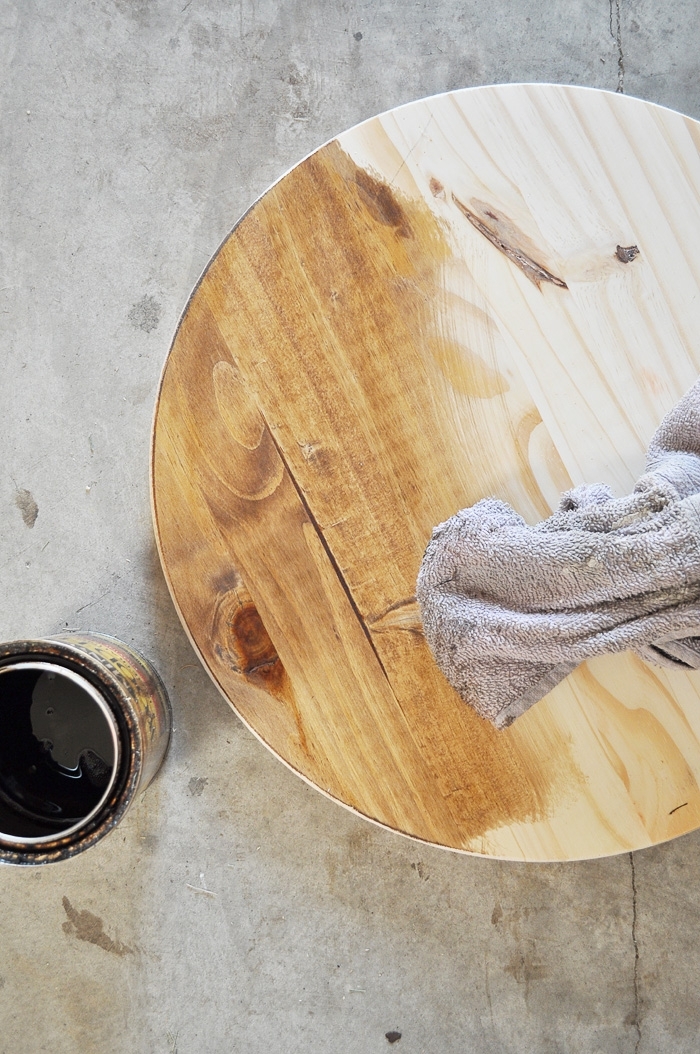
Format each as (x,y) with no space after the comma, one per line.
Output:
(138,10)
(421,870)
(145,314)
(393,1037)
(524,967)
(88,927)
(2,982)
(358,846)
(205,38)
(496,914)
(197,785)
(24,500)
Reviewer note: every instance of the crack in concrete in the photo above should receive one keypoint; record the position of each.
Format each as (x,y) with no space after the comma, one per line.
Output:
(616,34)
(635,942)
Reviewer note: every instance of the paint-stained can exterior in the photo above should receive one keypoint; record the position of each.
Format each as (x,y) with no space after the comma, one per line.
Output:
(139,711)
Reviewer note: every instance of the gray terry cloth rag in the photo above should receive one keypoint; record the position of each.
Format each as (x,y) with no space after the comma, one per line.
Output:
(509,610)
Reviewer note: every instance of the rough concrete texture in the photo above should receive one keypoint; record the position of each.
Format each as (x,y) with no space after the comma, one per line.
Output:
(134,133)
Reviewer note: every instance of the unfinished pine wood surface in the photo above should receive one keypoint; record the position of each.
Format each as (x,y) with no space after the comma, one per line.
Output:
(490,292)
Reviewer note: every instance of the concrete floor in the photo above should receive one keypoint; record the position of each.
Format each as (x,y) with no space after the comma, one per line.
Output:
(134,133)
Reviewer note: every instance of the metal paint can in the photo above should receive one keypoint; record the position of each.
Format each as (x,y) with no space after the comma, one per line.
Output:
(85,723)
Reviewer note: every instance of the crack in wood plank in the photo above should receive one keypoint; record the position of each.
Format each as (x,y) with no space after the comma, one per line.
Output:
(533,270)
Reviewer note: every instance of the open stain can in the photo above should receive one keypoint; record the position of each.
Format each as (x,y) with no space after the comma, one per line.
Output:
(84,726)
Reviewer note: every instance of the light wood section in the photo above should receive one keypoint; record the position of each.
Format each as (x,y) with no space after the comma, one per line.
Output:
(429,310)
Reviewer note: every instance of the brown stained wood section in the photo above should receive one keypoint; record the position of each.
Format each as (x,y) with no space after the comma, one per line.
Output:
(321,663)
(363,492)
(333,314)
(241,640)
(201,572)
(357,364)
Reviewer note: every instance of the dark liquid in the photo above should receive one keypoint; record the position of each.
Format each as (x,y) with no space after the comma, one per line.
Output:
(56,753)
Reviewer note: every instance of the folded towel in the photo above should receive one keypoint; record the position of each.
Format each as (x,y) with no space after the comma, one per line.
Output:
(509,610)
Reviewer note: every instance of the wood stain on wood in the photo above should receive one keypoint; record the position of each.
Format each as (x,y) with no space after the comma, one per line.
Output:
(344,379)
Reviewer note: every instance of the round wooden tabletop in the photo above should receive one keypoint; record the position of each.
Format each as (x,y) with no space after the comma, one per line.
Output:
(490,292)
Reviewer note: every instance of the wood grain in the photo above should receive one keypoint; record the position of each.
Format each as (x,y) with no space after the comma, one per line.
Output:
(429,310)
